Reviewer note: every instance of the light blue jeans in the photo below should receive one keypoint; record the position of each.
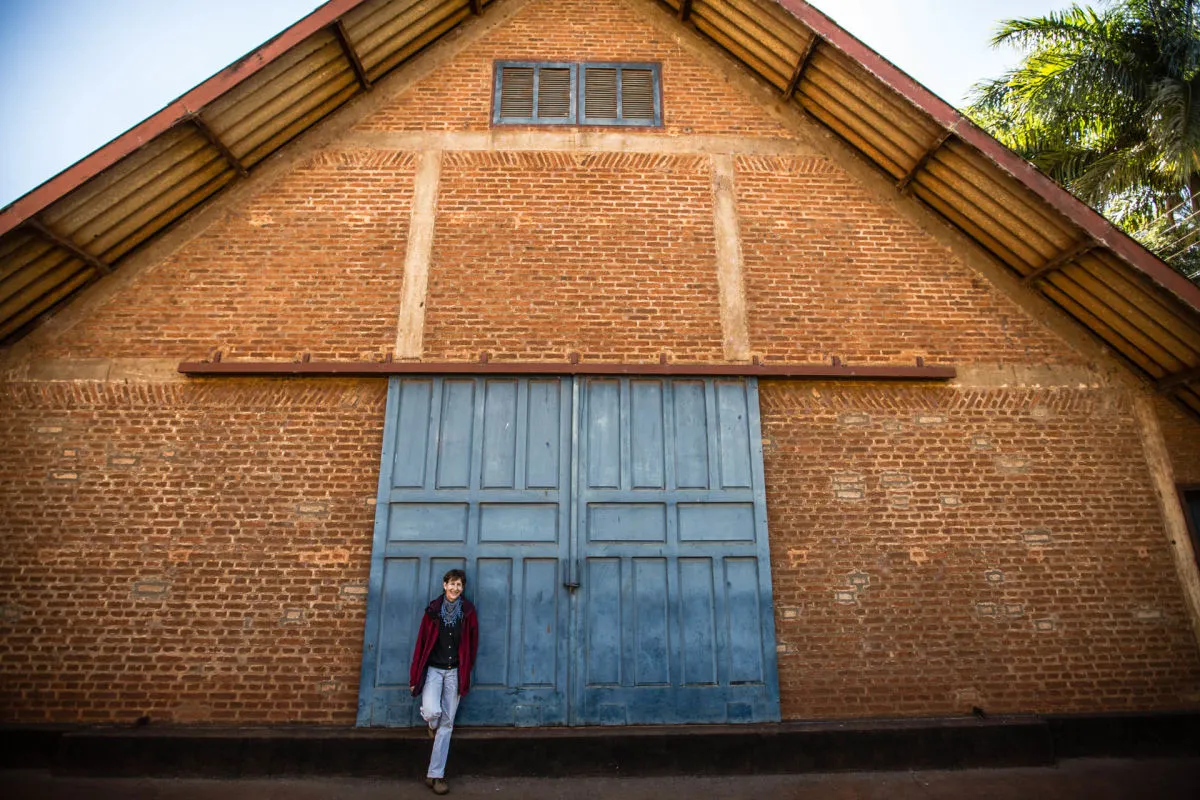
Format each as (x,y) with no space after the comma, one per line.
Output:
(439,703)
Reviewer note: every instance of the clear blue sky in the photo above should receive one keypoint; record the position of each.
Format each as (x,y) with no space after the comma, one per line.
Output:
(76,73)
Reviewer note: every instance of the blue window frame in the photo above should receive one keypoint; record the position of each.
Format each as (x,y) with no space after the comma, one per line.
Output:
(594,93)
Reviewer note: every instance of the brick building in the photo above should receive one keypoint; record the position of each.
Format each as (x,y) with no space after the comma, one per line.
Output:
(746,380)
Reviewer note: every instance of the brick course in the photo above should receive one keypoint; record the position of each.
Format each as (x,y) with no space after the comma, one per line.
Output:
(831,270)
(188,552)
(934,550)
(459,95)
(313,263)
(540,254)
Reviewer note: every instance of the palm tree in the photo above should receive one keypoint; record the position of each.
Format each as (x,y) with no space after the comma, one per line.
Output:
(1107,102)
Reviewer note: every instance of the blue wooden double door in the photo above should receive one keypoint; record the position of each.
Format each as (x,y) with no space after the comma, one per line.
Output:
(613,534)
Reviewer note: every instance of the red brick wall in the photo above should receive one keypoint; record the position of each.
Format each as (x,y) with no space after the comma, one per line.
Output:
(541,254)
(458,96)
(197,552)
(831,270)
(1182,434)
(192,553)
(934,550)
(314,263)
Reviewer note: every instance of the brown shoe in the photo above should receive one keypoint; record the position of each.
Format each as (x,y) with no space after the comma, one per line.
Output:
(438,785)
(431,731)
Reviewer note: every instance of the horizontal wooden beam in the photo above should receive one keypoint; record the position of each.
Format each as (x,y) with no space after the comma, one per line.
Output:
(222,148)
(360,72)
(63,242)
(1059,261)
(383,369)
(801,65)
(904,183)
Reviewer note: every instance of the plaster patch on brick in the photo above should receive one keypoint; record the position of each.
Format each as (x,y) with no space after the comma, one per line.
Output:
(11,612)
(985,609)
(951,500)
(312,509)
(64,476)
(1044,625)
(1147,614)
(994,576)
(930,419)
(854,418)
(789,613)
(356,590)
(849,487)
(967,695)
(845,596)
(150,589)
(890,479)
(982,443)
(859,580)
(1037,537)
(293,616)
(1012,464)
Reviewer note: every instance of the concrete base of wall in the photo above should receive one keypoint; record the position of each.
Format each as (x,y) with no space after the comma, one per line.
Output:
(572,752)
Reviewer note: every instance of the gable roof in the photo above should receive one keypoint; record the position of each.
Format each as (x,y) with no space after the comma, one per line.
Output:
(81,224)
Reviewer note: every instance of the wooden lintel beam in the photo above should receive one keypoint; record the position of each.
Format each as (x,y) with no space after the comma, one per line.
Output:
(1058,262)
(837,371)
(66,244)
(1178,379)
(685,10)
(905,183)
(360,72)
(477,7)
(801,64)
(222,148)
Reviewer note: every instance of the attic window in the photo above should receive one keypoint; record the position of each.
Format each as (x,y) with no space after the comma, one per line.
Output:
(549,93)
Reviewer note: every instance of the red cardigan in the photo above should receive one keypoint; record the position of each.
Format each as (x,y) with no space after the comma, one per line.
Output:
(427,638)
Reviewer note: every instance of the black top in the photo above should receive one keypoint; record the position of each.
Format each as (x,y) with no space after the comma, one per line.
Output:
(445,652)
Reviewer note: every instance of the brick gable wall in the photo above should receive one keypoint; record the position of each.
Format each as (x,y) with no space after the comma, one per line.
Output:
(198,551)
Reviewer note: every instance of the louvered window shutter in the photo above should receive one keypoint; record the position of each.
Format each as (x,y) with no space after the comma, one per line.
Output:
(637,94)
(516,92)
(548,93)
(600,93)
(554,93)
(620,94)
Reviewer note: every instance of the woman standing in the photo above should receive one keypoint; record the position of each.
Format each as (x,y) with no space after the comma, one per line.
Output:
(441,668)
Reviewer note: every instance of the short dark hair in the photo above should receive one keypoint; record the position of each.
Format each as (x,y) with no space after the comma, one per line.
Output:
(455,574)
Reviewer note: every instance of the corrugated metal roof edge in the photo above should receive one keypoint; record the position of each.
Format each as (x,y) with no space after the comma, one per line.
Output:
(179,109)
(1079,213)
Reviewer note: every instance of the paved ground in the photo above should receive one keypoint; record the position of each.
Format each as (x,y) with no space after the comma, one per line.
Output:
(1086,779)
